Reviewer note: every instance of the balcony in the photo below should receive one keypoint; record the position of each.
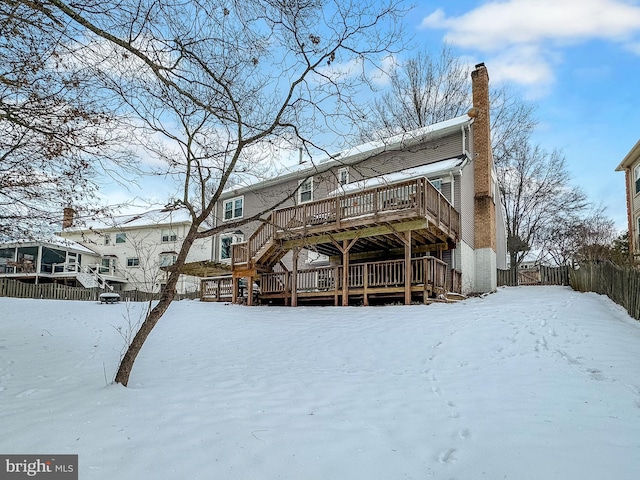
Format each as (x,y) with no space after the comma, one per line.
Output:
(375,216)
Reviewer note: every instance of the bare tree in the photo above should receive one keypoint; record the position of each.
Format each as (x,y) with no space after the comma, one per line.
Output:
(56,137)
(220,80)
(537,196)
(577,239)
(423,90)
(428,88)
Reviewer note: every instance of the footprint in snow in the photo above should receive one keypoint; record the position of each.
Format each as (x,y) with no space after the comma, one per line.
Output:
(447,456)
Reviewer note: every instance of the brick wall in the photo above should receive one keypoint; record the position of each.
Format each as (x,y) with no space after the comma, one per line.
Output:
(485,209)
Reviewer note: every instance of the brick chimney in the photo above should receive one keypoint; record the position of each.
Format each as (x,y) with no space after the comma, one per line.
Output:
(67,217)
(485,208)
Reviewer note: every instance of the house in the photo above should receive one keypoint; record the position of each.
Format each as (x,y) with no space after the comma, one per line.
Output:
(630,165)
(408,218)
(132,250)
(53,260)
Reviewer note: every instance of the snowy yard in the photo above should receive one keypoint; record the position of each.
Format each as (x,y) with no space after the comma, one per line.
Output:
(529,383)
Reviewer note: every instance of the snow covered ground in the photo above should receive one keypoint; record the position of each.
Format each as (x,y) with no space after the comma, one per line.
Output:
(528,383)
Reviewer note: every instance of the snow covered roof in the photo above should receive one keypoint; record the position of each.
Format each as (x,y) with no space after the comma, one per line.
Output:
(357,153)
(430,170)
(402,140)
(145,219)
(54,241)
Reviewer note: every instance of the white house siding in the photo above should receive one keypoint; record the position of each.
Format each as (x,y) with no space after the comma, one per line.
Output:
(143,242)
(501,234)
(465,204)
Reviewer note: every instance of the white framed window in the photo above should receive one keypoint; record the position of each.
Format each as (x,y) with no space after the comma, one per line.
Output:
(343,176)
(121,237)
(107,239)
(168,235)
(437,182)
(636,178)
(168,258)
(305,190)
(133,262)
(107,265)
(225,245)
(233,208)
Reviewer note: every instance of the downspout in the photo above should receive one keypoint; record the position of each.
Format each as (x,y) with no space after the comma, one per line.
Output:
(38,265)
(464,141)
(213,237)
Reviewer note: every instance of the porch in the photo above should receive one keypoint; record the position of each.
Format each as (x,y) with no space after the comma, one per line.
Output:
(368,235)
(366,283)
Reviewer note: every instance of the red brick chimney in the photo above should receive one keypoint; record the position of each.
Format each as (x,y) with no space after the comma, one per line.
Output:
(484,201)
(485,209)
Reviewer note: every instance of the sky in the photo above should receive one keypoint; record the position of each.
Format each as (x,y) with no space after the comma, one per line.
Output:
(493,387)
(577,60)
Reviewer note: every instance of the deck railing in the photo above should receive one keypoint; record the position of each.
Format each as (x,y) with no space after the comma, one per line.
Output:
(417,195)
(389,273)
(216,288)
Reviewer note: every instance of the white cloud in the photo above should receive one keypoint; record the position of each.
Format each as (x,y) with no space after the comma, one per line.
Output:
(634,47)
(492,25)
(525,36)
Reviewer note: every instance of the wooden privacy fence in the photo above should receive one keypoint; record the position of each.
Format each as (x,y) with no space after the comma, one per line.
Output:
(53,291)
(620,284)
(539,276)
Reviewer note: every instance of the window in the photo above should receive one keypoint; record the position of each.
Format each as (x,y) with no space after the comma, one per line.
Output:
(225,244)
(168,236)
(107,239)
(636,173)
(233,208)
(168,259)
(105,265)
(133,262)
(343,176)
(305,190)
(121,237)
(437,183)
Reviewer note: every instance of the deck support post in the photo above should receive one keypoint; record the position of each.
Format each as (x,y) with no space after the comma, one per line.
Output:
(287,287)
(345,248)
(294,278)
(234,290)
(345,273)
(407,267)
(249,291)
(426,276)
(365,284)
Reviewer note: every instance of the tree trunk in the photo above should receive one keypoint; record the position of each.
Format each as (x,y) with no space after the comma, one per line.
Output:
(513,266)
(156,313)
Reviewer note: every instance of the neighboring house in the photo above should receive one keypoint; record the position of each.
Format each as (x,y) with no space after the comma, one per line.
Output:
(347,226)
(630,165)
(136,247)
(54,260)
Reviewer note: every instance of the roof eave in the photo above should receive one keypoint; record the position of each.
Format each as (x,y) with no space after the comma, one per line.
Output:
(630,158)
(397,142)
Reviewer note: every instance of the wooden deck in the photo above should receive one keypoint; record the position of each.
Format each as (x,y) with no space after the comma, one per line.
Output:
(396,223)
(365,282)
(375,216)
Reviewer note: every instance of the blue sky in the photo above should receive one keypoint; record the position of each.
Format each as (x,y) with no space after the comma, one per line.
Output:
(578,60)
